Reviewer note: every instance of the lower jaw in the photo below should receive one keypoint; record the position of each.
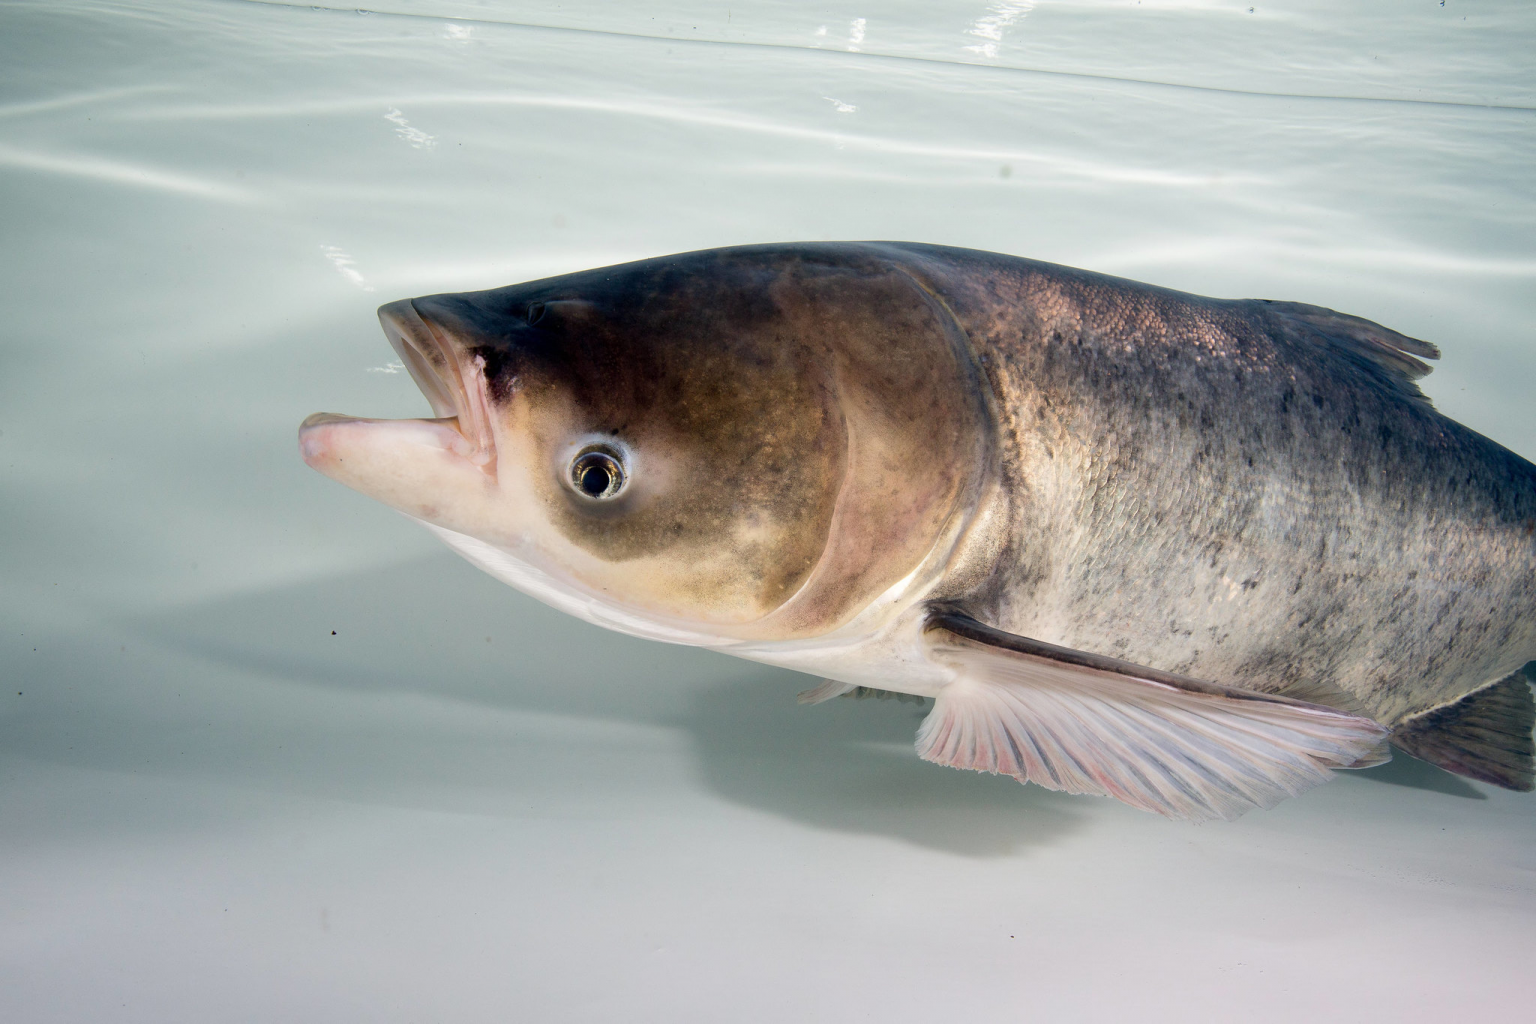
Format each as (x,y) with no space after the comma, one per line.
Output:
(424,468)
(317,434)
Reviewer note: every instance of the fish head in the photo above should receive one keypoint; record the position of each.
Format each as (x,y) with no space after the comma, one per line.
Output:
(741,444)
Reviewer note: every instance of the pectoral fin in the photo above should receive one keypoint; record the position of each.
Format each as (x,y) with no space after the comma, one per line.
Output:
(1084,723)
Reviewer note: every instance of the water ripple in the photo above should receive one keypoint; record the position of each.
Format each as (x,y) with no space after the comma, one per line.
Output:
(1076,167)
(858,51)
(121,172)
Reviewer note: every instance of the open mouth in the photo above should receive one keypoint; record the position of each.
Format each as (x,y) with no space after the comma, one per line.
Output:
(450,376)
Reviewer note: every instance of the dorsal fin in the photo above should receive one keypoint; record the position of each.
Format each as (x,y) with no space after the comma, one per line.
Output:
(1485,735)
(1397,356)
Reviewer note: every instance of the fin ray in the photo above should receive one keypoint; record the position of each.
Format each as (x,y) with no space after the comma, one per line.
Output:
(1485,735)
(1087,724)
(825,691)
(1396,359)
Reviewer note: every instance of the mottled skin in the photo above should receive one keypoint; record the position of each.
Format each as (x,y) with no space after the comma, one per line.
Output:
(1224,490)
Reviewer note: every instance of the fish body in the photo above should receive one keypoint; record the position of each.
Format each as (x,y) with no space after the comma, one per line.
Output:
(1243,490)
(1192,553)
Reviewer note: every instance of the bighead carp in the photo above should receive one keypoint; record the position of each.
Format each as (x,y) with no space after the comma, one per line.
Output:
(1190,553)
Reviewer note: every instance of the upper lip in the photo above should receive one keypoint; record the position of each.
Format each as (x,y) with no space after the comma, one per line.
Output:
(452,378)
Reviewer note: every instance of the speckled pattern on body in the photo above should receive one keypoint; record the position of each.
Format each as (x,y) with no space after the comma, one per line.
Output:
(1227,490)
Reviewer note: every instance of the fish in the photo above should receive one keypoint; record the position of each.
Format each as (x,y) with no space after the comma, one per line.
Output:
(1193,554)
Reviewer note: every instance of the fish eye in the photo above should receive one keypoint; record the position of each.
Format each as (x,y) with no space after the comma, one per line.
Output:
(598,472)
(535,313)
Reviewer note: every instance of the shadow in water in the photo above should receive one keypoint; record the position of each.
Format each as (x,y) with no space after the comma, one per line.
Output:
(436,626)
(849,765)
(1407,770)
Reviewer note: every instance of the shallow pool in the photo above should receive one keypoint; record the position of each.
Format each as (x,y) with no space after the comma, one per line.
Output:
(272,754)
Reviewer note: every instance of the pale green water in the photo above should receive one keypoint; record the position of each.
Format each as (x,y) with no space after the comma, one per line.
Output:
(463,806)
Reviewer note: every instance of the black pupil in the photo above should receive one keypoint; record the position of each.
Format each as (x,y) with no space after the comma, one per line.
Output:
(595,479)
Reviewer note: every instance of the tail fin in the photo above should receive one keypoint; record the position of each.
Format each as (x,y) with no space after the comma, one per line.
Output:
(1485,736)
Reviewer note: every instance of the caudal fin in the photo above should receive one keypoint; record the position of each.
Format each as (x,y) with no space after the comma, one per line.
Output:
(1485,736)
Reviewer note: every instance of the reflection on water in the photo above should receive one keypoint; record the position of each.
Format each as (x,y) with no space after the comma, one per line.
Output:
(1372,49)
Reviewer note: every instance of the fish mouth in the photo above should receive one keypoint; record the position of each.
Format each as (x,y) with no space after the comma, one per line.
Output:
(450,376)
